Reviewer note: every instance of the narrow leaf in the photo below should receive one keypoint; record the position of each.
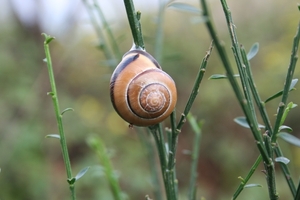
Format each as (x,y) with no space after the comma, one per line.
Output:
(278,94)
(293,83)
(221,76)
(185,7)
(286,111)
(282,159)
(252,185)
(56,136)
(286,128)
(243,122)
(289,138)
(253,51)
(66,110)
(81,173)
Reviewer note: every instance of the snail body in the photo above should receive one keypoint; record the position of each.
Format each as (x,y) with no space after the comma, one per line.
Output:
(141,92)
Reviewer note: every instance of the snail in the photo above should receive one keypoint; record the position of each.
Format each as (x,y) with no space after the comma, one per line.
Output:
(141,92)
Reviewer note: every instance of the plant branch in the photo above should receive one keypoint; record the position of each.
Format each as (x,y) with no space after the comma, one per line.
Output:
(135,26)
(63,143)
(197,128)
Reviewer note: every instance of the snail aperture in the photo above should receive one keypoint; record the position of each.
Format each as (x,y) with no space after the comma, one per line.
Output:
(141,93)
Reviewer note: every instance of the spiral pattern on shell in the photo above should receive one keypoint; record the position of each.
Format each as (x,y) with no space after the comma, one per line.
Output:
(141,93)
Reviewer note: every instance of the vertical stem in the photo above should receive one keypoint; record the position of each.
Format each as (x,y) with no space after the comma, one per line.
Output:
(159,31)
(111,37)
(195,156)
(135,26)
(103,44)
(288,80)
(53,93)
(245,181)
(168,175)
(154,166)
(270,169)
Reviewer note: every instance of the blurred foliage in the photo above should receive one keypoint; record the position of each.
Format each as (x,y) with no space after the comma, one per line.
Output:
(31,165)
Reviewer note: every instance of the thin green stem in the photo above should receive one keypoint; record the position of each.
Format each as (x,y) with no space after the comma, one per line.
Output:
(54,96)
(245,181)
(195,89)
(103,44)
(158,45)
(154,168)
(297,196)
(282,105)
(242,101)
(110,35)
(172,153)
(98,146)
(270,169)
(135,26)
(260,104)
(195,156)
(288,80)
(157,133)
(246,104)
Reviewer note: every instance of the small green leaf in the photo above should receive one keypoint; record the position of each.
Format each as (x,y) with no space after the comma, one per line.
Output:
(287,128)
(289,138)
(71,181)
(66,110)
(50,93)
(286,111)
(243,122)
(252,185)
(241,178)
(282,159)
(253,51)
(221,76)
(48,38)
(81,173)
(278,94)
(293,84)
(185,7)
(56,136)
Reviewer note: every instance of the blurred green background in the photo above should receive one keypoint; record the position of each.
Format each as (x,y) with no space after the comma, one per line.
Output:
(32,166)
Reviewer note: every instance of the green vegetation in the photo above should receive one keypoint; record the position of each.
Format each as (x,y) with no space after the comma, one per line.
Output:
(242,118)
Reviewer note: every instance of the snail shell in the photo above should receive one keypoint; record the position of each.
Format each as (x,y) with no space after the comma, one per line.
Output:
(141,93)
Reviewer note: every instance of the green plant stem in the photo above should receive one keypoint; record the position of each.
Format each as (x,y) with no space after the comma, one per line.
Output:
(288,80)
(176,129)
(245,181)
(282,106)
(53,93)
(154,168)
(110,35)
(195,90)
(242,101)
(297,196)
(195,156)
(100,149)
(158,46)
(270,169)
(260,104)
(103,44)
(168,175)
(246,103)
(135,26)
